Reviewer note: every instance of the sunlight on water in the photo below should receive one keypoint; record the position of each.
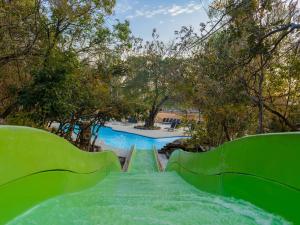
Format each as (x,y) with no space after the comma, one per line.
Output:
(145,198)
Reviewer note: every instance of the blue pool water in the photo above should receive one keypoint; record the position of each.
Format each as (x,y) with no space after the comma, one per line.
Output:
(124,140)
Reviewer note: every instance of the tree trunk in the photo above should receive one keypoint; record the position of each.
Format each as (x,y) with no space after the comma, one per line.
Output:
(153,112)
(96,135)
(278,114)
(260,104)
(255,100)
(151,118)
(226,131)
(8,110)
(68,134)
(282,117)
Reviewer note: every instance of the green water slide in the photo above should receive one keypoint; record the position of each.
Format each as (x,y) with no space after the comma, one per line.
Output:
(36,165)
(46,180)
(262,169)
(142,161)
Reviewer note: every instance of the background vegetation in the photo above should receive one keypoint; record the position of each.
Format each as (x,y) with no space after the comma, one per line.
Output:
(59,61)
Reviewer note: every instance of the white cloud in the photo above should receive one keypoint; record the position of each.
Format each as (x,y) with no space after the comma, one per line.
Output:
(172,10)
(124,6)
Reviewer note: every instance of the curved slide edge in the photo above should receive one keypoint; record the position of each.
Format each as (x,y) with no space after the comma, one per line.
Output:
(36,165)
(128,159)
(132,156)
(261,169)
(158,163)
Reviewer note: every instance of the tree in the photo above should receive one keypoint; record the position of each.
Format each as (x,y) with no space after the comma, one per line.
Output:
(152,76)
(45,69)
(36,30)
(234,74)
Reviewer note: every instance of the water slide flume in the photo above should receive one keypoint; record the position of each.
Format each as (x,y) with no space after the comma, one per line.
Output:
(261,169)
(37,166)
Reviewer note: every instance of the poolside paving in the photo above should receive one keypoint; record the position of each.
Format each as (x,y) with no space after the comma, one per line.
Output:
(163,132)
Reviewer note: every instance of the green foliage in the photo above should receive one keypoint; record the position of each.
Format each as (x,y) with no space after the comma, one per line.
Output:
(242,74)
(152,78)
(60,62)
(46,97)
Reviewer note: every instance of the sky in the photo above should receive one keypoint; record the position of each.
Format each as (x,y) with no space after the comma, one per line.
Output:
(164,15)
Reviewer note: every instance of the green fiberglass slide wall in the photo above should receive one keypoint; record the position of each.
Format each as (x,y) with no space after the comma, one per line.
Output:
(262,169)
(36,165)
(144,196)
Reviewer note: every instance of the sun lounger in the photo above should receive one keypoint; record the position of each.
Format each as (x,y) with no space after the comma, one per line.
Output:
(166,121)
(173,126)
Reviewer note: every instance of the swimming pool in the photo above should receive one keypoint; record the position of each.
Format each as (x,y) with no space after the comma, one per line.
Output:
(124,140)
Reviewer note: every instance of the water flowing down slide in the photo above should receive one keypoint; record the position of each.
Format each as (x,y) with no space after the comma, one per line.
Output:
(63,185)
